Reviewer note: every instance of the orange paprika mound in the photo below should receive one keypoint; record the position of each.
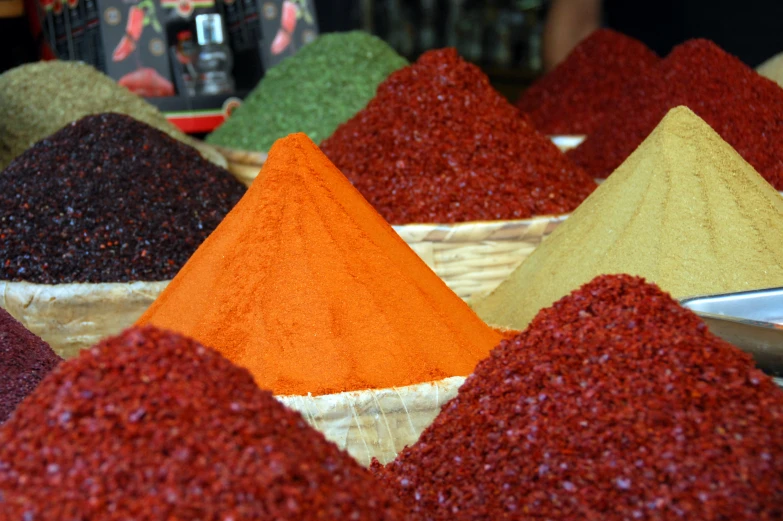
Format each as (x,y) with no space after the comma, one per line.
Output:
(305,285)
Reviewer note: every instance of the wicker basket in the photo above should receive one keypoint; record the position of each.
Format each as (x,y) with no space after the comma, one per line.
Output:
(475,257)
(375,423)
(71,317)
(243,164)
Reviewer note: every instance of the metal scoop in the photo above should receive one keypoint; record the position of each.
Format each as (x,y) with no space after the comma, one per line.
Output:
(751,320)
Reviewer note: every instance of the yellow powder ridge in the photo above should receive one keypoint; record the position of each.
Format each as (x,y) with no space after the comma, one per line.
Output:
(309,288)
(684,211)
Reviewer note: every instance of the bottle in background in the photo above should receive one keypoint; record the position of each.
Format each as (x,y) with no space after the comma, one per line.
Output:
(213,56)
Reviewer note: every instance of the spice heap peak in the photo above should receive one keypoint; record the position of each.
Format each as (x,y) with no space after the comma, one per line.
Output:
(684,211)
(740,104)
(151,425)
(24,360)
(439,144)
(574,97)
(616,403)
(308,287)
(322,85)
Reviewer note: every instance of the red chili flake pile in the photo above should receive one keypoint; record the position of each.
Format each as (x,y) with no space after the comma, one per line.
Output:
(439,144)
(151,425)
(742,106)
(575,95)
(615,404)
(108,199)
(24,360)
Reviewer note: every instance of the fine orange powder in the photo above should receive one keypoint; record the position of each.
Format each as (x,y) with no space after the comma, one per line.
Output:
(307,286)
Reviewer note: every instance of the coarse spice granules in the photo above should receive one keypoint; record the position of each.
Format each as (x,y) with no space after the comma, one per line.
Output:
(616,403)
(438,144)
(575,95)
(152,425)
(24,360)
(304,284)
(684,211)
(313,91)
(38,99)
(108,199)
(741,105)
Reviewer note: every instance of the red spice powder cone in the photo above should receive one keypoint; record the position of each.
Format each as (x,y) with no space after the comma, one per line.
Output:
(741,105)
(439,144)
(573,98)
(152,425)
(309,288)
(24,360)
(616,403)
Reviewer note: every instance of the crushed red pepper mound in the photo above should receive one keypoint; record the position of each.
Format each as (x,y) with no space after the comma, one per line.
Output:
(616,403)
(108,199)
(736,101)
(152,425)
(439,144)
(24,360)
(573,98)
(309,288)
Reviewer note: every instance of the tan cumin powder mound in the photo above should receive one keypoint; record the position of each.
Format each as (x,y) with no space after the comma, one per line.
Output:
(684,211)
(773,69)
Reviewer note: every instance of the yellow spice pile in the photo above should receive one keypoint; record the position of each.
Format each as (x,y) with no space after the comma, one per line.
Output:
(684,211)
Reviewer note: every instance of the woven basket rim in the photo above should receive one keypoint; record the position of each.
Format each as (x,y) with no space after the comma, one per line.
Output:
(373,393)
(242,157)
(80,287)
(481,225)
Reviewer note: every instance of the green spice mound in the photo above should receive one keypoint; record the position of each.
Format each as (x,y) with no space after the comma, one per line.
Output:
(684,211)
(38,99)
(151,425)
(615,404)
(314,91)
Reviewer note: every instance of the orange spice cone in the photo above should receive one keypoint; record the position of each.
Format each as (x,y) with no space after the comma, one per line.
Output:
(308,287)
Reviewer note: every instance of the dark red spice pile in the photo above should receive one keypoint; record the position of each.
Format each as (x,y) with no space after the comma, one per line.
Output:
(152,425)
(575,95)
(439,144)
(108,199)
(24,360)
(741,105)
(616,403)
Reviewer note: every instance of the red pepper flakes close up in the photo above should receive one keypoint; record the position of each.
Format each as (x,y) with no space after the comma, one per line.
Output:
(151,425)
(438,144)
(575,95)
(615,404)
(24,360)
(739,104)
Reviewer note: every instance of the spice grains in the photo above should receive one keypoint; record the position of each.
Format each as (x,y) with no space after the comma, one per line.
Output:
(151,425)
(573,98)
(684,211)
(313,91)
(615,404)
(108,199)
(38,99)
(24,360)
(309,288)
(439,144)
(741,105)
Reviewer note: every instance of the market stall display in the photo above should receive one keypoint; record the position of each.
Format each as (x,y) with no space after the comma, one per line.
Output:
(95,219)
(684,211)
